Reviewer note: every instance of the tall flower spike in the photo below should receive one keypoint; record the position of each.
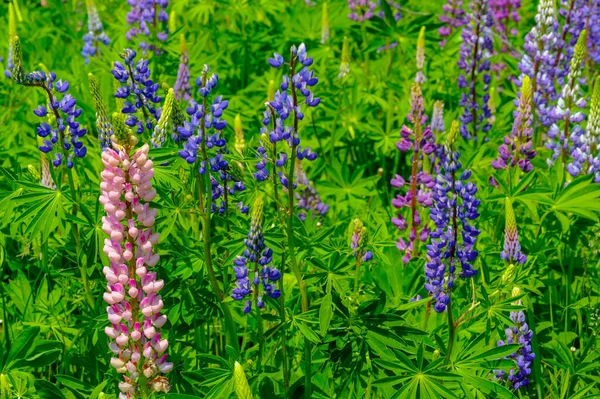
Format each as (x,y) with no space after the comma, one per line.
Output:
(95,33)
(475,52)
(421,142)
(240,383)
(183,89)
(257,256)
(240,143)
(307,196)
(345,64)
(133,299)
(358,241)
(454,17)
(564,136)
(105,129)
(325,24)
(517,148)
(420,77)
(518,377)
(512,248)
(64,129)
(453,211)
(148,18)
(12,33)
(160,131)
(541,45)
(506,16)
(592,137)
(437,118)
(594,32)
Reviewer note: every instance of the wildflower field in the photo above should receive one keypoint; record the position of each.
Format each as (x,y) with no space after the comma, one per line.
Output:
(299,199)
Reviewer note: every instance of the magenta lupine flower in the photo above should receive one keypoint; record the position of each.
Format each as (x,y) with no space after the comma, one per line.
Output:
(475,52)
(182,88)
(420,140)
(454,17)
(517,148)
(506,16)
(134,304)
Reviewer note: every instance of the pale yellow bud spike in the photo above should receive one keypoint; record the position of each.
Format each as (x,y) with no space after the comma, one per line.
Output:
(240,383)
(183,48)
(12,25)
(271,91)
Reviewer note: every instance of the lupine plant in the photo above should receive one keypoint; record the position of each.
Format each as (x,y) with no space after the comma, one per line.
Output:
(340,220)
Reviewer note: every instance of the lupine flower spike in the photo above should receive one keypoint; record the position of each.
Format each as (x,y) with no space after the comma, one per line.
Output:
(420,140)
(453,211)
(437,118)
(240,143)
(65,130)
(95,33)
(358,241)
(183,89)
(475,52)
(591,140)
(512,248)
(518,377)
(159,134)
(564,135)
(144,19)
(257,257)
(12,33)
(506,17)
(105,129)
(517,148)
(454,17)
(345,64)
(307,196)
(240,383)
(325,24)
(134,304)
(420,77)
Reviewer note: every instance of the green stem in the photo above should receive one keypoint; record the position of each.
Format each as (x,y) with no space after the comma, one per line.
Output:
(357,275)
(260,334)
(451,332)
(290,235)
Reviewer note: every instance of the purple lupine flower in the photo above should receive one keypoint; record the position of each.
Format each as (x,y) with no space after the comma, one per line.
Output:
(420,140)
(591,140)
(568,115)
(257,256)
(593,28)
(140,93)
(361,10)
(95,34)
(183,89)
(134,304)
(394,7)
(453,210)
(512,248)
(517,148)
(309,200)
(520,333)
(538,61)
(358,241)
(475,53)
(437,118)
(575,14)
(454,17)
(144,19)
(204,119)
(506,16)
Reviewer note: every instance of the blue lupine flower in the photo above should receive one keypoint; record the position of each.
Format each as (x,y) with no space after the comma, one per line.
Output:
(257,256)
(95,33)
(453,210)
(142,18)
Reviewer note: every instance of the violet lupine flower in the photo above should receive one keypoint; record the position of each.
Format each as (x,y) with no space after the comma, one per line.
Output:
(394,7)
(138,347)
(517,148)
(506,13)
(309,200)
(284,104)
(512,248)
(140,93)
(143,18)
(420,140)
(361,10)
(183,89)
(575,14)
(95,33)
(257,256)
(541,47)
(475,53)
(453,210)
(197,133)
(593,27)
(437,118)
(454,17)
(387,47)
(569,115)
(358,241)
(520,333)
(61,113)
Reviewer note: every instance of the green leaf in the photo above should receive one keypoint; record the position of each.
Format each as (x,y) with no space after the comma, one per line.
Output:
(325,314)
(47,390)
(21,346)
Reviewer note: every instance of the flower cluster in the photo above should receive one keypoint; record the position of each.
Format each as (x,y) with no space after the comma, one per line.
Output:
(538,60)
(285,103)
(258,255)
(196,135)
(358,241)
(144,16)
(454,17)
(512,248)
(437,118)
(575,13)
(594,32)
(361,10)
(139,93)
(134,303)
(517,148)
(183,89)
(475,52)
(95,33)
(506,13)
(453,210)
(60,115)
(105,128)
(591,140)
(568,115)
(307,196)
(521,334)
(420,140)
